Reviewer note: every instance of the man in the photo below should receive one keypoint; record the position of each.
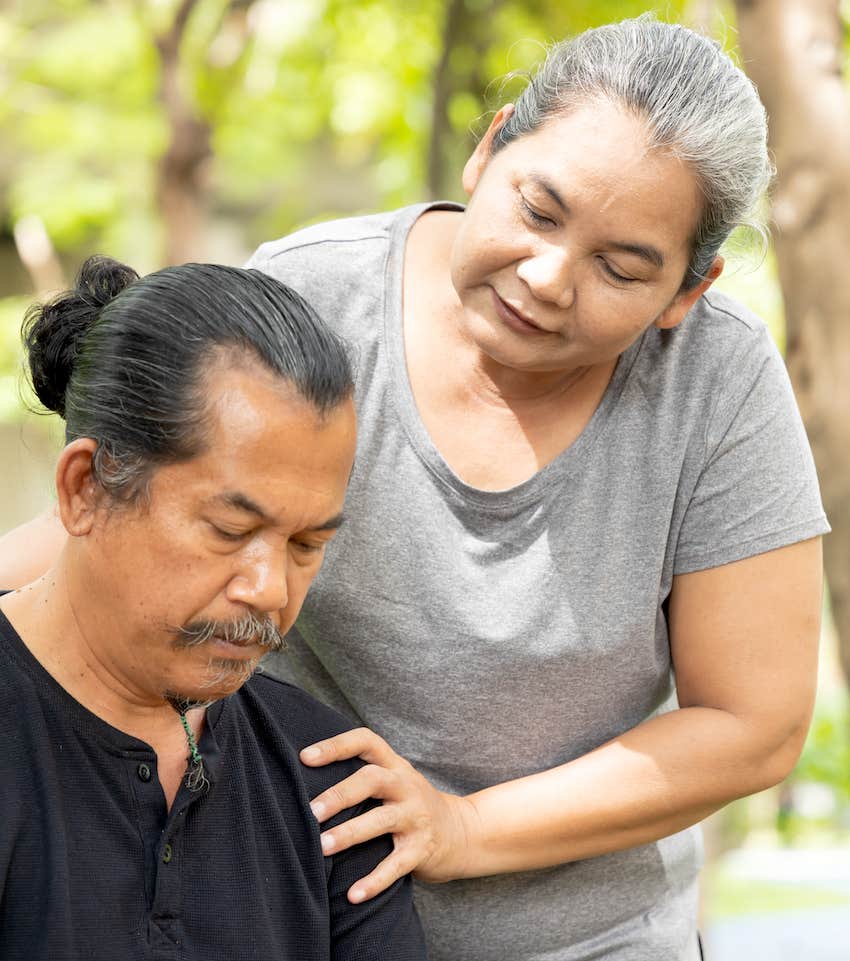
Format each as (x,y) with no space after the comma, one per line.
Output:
(153,803)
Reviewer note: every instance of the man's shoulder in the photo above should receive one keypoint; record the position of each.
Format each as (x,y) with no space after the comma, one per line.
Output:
(287,719)
(298,713)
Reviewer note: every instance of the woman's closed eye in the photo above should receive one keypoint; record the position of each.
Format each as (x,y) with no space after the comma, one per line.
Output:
(534,216)
(615,275)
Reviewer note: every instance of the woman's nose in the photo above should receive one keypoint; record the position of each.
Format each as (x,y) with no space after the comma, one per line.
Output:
(548,274)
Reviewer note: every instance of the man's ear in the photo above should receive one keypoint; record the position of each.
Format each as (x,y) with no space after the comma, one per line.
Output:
(77,490)
(478,160)
(685,299)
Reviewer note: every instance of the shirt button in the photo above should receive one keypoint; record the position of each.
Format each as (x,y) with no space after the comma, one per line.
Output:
(166,854)
(144,773)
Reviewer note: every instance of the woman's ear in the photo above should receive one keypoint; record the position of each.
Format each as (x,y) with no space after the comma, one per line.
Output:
(478,160)
(685,299)
(77,489)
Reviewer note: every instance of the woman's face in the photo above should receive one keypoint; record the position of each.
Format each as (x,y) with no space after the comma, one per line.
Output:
(575,240)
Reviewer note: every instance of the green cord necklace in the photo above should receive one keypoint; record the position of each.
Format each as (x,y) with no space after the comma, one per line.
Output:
(196,778)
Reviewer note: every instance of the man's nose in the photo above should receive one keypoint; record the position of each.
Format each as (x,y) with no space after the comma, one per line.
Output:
(261,580)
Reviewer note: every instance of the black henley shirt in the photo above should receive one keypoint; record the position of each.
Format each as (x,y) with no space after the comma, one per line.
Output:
(94,868)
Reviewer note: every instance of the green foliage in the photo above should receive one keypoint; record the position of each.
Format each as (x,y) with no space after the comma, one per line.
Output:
(826,755)
(80,125)
(315,108)
(751,277)
(14,390)
(731,897)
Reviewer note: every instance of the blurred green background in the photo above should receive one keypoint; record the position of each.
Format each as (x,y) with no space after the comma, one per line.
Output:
(161,131)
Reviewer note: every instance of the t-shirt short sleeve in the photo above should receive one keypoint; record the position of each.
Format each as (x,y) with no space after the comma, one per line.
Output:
(757,489)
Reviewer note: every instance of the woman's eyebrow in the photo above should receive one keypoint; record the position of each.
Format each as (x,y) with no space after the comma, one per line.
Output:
(540,181)
(646,251)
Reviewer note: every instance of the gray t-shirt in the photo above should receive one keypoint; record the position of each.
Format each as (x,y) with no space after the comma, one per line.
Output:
(488,635)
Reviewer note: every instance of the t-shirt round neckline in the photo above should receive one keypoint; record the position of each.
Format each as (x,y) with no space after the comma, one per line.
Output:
(530,490)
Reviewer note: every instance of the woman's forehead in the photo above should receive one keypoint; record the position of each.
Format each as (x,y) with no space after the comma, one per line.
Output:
(598,161)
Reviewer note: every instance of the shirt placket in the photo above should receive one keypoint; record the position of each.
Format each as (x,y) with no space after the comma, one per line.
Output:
(163,858)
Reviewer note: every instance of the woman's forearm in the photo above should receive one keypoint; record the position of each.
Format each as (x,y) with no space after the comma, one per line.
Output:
(659,778)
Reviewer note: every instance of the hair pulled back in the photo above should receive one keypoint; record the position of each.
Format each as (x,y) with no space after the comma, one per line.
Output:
(695,101)
(123,359)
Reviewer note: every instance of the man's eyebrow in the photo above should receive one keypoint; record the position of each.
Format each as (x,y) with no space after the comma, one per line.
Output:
(241,502)
(331,524)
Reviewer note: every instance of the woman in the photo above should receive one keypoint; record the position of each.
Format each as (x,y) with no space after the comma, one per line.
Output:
(579,476)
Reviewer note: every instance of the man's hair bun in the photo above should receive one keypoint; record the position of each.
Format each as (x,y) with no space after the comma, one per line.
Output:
(53,332)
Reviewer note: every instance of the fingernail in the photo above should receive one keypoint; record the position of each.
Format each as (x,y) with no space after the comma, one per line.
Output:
(357,895)
(318,810)
(328,842)
(311,753)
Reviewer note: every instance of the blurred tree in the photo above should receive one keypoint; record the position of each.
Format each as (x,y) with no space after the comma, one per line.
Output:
(181,190)
(795,53)
(151,128)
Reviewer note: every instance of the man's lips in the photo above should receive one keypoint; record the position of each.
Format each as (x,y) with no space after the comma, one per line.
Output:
(516,320)
(244,648)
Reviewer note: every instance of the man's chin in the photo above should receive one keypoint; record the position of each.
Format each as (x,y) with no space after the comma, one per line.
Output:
(223,677)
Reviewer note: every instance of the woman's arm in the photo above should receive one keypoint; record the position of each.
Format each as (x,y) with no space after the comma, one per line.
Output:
(744,640)
(27,551)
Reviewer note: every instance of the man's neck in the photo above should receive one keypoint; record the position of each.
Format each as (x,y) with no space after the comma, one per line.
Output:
(80,659)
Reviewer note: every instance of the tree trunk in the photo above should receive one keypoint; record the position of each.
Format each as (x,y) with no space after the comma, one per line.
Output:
(793,52)
(181,187)
(38,255)
(440,124)
(462,27)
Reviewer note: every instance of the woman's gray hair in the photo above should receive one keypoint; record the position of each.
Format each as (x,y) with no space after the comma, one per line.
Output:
(695,101)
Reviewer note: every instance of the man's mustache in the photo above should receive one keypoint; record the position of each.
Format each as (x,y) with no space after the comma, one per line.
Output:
(251,628)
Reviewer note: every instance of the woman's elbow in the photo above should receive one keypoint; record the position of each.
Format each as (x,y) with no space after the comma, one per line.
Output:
(776,761)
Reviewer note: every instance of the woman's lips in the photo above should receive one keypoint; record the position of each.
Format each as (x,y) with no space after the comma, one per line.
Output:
(515,320)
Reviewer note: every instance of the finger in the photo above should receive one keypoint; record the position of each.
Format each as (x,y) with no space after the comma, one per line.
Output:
(361,742)
(373,824)
(393,867)
(368,782)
